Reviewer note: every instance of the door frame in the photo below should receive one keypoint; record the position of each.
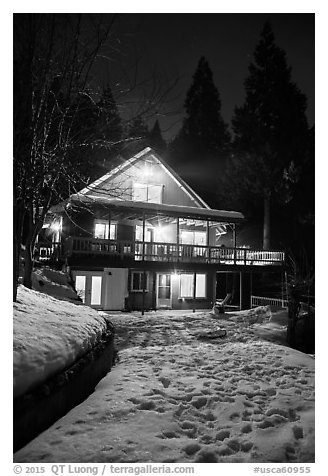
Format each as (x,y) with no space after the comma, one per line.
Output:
(88,287)
(157,288)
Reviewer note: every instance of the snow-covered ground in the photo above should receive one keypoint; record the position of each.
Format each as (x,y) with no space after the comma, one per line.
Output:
(49,335)
(176,396)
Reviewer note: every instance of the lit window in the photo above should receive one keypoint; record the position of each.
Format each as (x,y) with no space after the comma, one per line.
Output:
(187,285)
(139,281)
(193,237)
(139,233)
(140,192)
(143,192)
(155,193)
(102,230)
(200,285)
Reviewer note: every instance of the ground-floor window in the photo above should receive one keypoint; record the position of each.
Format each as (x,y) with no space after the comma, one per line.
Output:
(139,281)
(200,285)
(187,285)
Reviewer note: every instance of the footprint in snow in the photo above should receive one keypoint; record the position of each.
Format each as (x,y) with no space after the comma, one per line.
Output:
(246,428)
(166,382)
(199,402)
(147,405)
(222,435)
(234,444)
(234,416)
(246,446)
(246,415)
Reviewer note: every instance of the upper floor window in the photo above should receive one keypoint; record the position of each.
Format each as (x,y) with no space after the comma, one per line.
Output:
(193,237)
(104,230)
(145,192)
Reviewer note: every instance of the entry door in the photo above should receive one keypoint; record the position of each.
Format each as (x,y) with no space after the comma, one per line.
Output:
(164,294)
(116,289)
(89,288)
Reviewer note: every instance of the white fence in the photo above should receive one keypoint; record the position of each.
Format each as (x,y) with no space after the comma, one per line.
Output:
(265,301)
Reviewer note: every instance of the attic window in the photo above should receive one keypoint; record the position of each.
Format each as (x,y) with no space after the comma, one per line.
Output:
(146,192)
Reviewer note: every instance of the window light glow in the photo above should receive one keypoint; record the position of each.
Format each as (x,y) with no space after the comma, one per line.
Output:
(162,233)
(56,226)
(147,171)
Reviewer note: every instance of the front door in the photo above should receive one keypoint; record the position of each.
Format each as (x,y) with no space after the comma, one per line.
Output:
(164,294)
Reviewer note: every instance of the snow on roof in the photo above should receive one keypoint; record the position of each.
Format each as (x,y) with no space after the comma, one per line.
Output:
(161,208)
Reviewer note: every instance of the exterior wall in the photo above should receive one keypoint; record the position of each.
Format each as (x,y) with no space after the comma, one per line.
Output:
(135,299)
(121,185)
(199,303)
(114,287)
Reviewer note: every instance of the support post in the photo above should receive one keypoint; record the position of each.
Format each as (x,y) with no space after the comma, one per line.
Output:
(143,236)
(109,230)
(208,242)
(234,239)
(178,239)
(143,259)
(240,290)
(214,287)
(251,290)
(143,292)
(194,294)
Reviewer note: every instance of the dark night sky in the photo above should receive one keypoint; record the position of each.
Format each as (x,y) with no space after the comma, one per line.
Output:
(171,45)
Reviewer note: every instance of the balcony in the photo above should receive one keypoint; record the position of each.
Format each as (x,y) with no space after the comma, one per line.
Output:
(158,252)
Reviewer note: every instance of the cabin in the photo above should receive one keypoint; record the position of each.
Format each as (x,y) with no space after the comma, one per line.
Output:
(140,238)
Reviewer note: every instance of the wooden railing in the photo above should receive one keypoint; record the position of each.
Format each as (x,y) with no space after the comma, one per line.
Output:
(164,252)
(265,301)
(46,251)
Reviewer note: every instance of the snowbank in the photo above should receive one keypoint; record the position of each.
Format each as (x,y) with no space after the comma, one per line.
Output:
(53,283)
(49,335)
(175,398)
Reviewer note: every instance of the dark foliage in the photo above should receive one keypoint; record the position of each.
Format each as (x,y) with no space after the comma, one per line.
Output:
(271,148)
(156,140)
(200,150)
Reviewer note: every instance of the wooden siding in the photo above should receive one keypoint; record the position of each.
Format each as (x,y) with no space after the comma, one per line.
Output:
(120,186)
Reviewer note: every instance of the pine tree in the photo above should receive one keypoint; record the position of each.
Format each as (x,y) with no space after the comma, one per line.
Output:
(109,133)
(137,135)
(271,129)
(109,122)
(203,128)
(200,150)
(156,139)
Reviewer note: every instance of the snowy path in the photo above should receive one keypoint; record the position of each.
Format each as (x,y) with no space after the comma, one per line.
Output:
(175,398)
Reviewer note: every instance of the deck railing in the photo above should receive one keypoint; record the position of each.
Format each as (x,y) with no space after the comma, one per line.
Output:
(266,301)
(164,252)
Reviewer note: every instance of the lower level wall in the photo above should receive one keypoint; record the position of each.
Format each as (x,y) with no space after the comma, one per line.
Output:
(149,299)
(118,290)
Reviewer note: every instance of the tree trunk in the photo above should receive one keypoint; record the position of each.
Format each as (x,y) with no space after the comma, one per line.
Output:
(18,219)
(34,229)
(28,264)
(266,223)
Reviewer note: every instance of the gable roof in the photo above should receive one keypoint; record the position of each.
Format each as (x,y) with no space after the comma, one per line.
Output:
(147,152)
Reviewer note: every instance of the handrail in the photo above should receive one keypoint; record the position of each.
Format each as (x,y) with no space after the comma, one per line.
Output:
(266,301)
(162,251)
